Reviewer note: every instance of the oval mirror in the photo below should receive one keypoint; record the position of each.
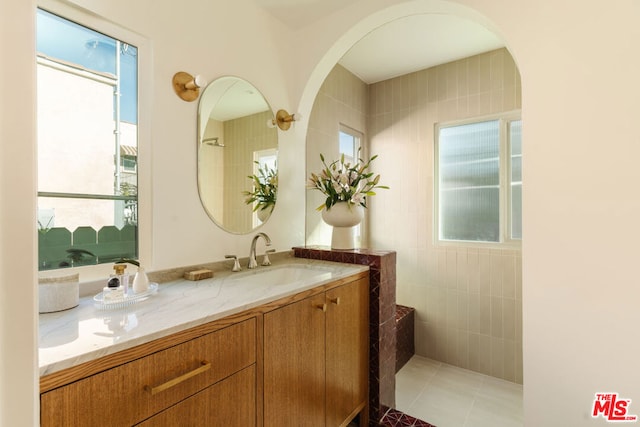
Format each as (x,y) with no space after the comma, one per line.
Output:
(237,155)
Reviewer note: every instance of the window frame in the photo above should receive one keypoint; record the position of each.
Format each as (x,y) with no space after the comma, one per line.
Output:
(124,160)
(144,87)
(359,147)
(504,210)
(358,137)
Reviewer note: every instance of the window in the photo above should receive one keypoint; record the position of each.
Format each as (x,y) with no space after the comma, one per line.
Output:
(87,145)
(515,195)
(267,161)
(349,144)
(128,163)
(479,170)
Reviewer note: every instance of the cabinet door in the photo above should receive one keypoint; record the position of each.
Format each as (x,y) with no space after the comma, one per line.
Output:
(347,341)
(294,355)
(229,403)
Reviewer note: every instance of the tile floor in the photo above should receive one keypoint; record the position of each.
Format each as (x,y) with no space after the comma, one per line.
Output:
(448,396)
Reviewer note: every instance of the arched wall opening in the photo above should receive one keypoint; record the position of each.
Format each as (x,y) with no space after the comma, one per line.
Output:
(450,287)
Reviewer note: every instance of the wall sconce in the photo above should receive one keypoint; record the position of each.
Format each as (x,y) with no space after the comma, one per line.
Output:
(186,86)
(283,120)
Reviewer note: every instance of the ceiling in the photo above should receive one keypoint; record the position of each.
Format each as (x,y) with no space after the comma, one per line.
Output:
(414,43)
(399,47)
(300,13)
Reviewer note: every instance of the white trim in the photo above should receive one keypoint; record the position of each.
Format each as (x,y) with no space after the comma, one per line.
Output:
(505,241)
(508,223)
(358,137)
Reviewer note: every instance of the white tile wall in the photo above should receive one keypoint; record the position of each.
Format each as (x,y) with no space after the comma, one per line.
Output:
(242,137)
(468,300)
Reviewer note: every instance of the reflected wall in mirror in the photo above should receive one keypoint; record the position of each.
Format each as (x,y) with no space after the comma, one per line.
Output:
(237,155)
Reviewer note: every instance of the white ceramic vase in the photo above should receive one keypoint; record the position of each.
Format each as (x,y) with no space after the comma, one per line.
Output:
(264,214)
(343,217)
(140,281)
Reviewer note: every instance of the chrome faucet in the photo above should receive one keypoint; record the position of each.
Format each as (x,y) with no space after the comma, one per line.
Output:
(252,253)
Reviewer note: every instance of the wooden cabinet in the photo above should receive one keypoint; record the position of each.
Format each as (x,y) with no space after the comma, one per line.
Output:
(229,403)
(298,361)
(315,359)
(132,392)
(294,359)
(347,356)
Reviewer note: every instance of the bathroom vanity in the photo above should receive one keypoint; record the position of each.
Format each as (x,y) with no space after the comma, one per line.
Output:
(285,345)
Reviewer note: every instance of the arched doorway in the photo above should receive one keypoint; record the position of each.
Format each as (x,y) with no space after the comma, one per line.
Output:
(463,317)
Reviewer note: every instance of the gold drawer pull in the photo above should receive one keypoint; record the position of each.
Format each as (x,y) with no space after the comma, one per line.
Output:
(335,300)
(205,366)
(322,307)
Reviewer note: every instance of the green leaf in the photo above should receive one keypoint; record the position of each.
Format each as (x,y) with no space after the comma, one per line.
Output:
(327,203)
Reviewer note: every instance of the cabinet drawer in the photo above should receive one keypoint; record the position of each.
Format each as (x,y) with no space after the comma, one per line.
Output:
(134,391)
(229,403)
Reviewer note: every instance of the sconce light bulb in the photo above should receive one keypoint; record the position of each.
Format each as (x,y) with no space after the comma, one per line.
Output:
(271,123)
(200,81)
(297,117)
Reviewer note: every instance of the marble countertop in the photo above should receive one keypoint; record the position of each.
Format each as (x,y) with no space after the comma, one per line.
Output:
(69,338)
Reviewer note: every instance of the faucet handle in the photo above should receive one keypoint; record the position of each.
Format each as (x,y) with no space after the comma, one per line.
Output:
(236,263)
(266,261)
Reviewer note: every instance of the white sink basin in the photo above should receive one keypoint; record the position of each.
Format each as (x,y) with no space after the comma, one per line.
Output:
(283,275)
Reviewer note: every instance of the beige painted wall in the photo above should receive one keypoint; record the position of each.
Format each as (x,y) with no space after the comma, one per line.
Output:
(18,250)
